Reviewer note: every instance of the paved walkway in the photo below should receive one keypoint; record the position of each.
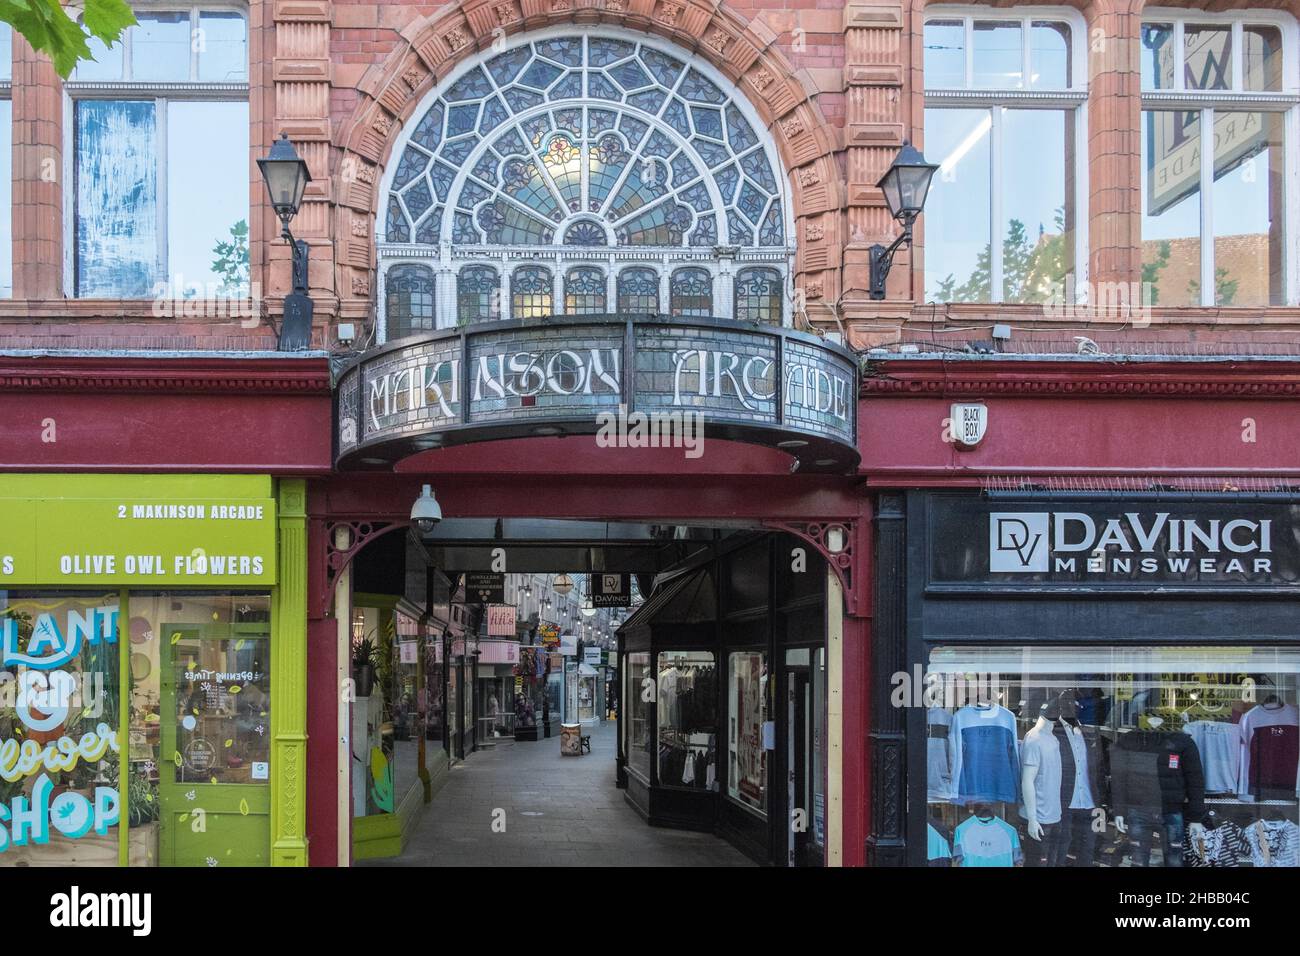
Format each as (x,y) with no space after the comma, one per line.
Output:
(558,811)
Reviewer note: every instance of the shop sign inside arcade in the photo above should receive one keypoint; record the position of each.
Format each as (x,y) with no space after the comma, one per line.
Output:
(1102,681)
(134,634)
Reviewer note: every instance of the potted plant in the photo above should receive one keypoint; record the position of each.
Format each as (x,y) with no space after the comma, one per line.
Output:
(363,666)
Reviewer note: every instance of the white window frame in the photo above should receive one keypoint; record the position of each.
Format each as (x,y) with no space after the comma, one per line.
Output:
(1238,100)
(1073,97)
(161,93)
(722,262)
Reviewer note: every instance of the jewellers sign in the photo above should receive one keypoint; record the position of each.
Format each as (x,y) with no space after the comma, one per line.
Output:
(1110,543)
(563,375)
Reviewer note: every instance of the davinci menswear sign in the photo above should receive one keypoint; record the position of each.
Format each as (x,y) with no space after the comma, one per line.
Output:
(93,530)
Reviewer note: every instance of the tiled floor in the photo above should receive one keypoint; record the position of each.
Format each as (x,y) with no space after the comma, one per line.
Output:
(558,811)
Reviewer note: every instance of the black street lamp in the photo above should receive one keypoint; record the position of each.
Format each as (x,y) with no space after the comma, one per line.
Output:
(286,176)
(905,185)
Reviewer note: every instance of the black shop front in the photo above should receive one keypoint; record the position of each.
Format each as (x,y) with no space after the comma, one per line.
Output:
(1087,679)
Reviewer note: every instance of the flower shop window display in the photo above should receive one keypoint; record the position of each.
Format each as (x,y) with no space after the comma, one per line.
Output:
(60,729)
(166,731)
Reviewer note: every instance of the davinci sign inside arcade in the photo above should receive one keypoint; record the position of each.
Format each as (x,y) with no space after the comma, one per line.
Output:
(138,624)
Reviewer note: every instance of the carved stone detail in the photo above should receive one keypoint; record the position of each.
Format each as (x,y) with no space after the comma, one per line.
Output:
(456,38)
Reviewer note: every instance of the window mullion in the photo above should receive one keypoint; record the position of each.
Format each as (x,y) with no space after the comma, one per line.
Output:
(969,25)
(1179,65)
(996,291)
(1237,48)
(161,192)
(1207,206)
(1026,80)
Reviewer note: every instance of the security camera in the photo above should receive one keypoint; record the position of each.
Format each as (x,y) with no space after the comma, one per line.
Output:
(426,512)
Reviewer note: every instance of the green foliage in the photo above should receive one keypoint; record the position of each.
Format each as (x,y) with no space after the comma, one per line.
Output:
(1225,289)
(1151,270)
(1031,271)
(49,29)
(231,262)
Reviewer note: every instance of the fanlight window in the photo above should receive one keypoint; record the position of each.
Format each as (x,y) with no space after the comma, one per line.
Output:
(580,148)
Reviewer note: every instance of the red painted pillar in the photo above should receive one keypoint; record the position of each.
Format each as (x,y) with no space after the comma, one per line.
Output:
(855,662)
(322,705)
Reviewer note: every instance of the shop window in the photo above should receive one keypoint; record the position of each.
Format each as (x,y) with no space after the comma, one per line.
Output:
(638,291)
(530,293)
(1001,221)
(478,295)
(640,743)
(758,296)
(1112,756)
(160,167)
(6,160)
(687,702)
(584,291)
(691,293)
(1215,222)
(747,720)
(61,650)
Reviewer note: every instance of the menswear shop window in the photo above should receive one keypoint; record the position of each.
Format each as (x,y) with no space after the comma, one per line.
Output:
(1215,222)
(639,696)
(1110,756)
(160,159)
(1003,119)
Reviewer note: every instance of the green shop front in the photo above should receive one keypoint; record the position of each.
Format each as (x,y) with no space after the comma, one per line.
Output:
(153,693)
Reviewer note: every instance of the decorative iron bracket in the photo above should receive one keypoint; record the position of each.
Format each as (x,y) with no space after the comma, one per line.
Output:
(841,561)
(360,533)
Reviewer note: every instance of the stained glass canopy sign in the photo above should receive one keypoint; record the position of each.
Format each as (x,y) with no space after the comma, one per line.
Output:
(573,375)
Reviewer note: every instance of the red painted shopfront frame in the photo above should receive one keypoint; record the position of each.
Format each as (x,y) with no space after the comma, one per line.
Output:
(574,478)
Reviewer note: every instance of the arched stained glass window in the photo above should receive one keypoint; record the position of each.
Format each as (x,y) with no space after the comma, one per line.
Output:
(604,143)
(691,293)
(531,293)
(478,295)
(584,291)
(638,290)
(758,296)
(409,295)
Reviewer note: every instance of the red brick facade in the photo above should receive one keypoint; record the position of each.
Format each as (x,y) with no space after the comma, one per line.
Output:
(839,85)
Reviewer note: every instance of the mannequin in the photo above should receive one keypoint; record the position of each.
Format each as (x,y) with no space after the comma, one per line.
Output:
(1081,786)
(1158,784)
(1040,785)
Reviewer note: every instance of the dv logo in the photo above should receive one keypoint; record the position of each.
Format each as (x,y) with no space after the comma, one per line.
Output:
(1018,541)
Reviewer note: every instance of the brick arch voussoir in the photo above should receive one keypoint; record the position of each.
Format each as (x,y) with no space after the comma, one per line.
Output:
(743,50)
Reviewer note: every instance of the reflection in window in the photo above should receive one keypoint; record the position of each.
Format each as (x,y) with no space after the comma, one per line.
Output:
(639,744)
(132,229)
(584,291)
(1243,263)
(409,291)
(758,296)
(638,291)
(1017,154)
(747,712)
(531,292)
(478,295)
(691,293)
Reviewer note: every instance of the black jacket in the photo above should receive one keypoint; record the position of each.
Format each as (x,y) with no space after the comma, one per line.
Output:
(1096,776)
(1157,773)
